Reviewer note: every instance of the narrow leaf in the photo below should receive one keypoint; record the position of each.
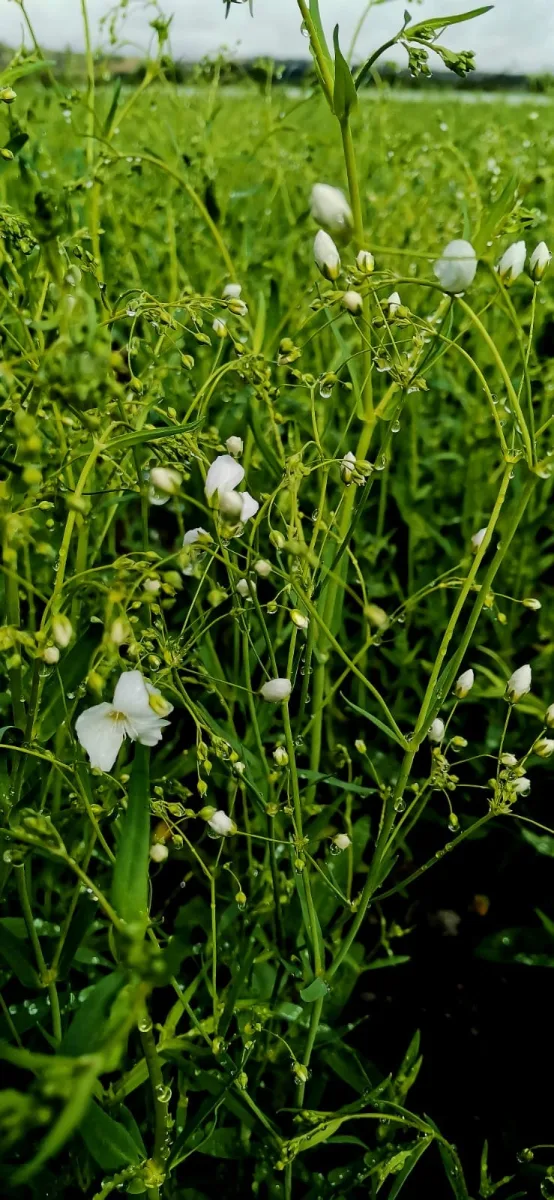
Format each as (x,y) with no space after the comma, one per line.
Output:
(455,19)
(375,721)
(109,1143)
(130,875)
(345,96)
(86,1032)
(409,1165)
(314,991)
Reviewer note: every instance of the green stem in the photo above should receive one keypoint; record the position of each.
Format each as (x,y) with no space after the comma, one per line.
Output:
(515,405)
(160,1097)
(44,974)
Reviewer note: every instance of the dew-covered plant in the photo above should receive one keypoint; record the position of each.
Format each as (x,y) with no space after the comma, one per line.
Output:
(275,433)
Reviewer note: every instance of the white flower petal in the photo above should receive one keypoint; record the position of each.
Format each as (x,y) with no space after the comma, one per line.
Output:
(249,506)
(100,735)
(131,695)
(455,269)
(192,535)
(224,474)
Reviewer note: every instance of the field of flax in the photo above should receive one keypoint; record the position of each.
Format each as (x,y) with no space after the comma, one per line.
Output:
(277,637)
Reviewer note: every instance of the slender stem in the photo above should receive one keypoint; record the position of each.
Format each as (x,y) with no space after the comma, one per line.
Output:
(160,1095)
(44,974)
(512,394)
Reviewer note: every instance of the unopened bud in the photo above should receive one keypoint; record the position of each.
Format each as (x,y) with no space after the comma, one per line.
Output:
(51,655)
(544,747)
(62,630)
(299,619)
(280,756)
(533,604)
(342,841)
(360,746)
(365,262)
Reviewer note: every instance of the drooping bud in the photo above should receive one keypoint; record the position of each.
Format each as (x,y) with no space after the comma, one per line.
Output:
(51,655)
(276,690)
(342,841)
(455,269)
(329,207)
(219,327)
(166,480)
(522,786)
(353,302)
(532,603)
(232,291)
(222,824)
(299,619)
(246,587)
(544,747)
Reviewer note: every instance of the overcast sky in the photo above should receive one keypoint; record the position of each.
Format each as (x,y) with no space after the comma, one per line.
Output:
(518,35)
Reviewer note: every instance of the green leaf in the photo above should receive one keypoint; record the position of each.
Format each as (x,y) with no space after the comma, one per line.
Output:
(223,1143)
(412,1160)
(375,721)
(151,435)
(130,874)
(314,991)
(68,1120)
(342,784)
(15,955)
(85,1034)
(541,842)
(83,917)
(392,960)
(345,96)
(108,1142)
(455,19)
(318,26)
(113,108)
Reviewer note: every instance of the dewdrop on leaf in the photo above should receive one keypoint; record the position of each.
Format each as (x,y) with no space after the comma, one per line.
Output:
(519,684)
(435,732)
(464,684)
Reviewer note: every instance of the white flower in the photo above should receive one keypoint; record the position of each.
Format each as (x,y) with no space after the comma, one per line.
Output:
(464,684)
(508,760)
(544,747)
(232,291)
(394,302)
(519,684)
(539,261)
(477,538)
(158,852)
(549,716)
(245,587)
(219,327)
(353,302)
(455,269)
(348,466)
(342,841)
(299,619)
(166,480)
(152,585)
(263,568)
(235,446)
(102,728)
(191,537)
(51,655)
(365,262)
(280,756)
(224,475)
(436,731)
(326,255)
(512,262)
(222,824)
(238,307)
(276,690)
(522,786)
(62,630)
(330,207)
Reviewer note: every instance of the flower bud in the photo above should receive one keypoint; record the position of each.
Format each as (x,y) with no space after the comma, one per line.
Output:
(531,603)
(435,733)
(394,303)
(159,852)
(280,756)
(326,255)
(464,684)
(518,684)
(235,446)
(222,824)
(152,586)
(299,619)
(522,786)
(539,261)
(219,327)
(246,587)
(276,690)
(544,747)
(365,262)
(187,361)
(477,539)
(7,95)
(238,307)
(300,1072)
(232,291)
(263,568)
(376,616)
(62,630)
(455,269)
(119,632)
(508,760)
(166,480)
(342,841)
(240,899)
(329,207)
(51,655)
(512,263)
(277,539)
(360,746)
(353,302)
(549,716)
(348,466)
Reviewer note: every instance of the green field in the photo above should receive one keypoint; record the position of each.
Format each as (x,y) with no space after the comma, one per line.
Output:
(185,945)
